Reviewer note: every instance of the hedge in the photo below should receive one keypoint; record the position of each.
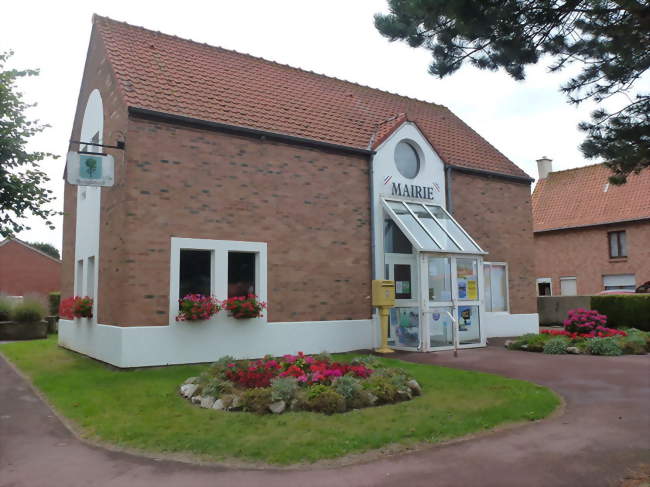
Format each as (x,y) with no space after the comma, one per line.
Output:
(624,310)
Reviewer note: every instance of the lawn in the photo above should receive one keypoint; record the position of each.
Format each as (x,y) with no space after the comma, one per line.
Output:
(141,409)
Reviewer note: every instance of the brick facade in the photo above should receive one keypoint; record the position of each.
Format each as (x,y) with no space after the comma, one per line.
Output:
(311,206)
(25,271)
(497,213)
(584,253)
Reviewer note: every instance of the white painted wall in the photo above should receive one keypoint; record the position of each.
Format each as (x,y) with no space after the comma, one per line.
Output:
(89,200)
(504,324)
(206,341)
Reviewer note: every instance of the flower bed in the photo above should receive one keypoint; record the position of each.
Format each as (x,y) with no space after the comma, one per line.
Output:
(584,332)
(298,382)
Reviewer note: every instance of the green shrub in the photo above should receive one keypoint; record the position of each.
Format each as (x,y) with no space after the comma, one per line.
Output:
(633,344)
(532,342)
(54,300)
(383,388)
(645,335)
(218,368)
(625,310)
(215,386)
(350,388)
(284,389)
(30,310)
(369,361)
(603,346)
(326,401)
(556,346)
(257,400)
(5,308)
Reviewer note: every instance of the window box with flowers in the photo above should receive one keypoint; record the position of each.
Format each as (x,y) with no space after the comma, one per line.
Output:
(76,307)
(197,307)
(244,307)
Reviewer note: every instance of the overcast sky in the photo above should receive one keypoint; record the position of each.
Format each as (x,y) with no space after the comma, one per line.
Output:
(524,120)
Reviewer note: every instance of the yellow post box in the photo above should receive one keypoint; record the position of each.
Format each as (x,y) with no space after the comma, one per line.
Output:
(383,297)
(383,293)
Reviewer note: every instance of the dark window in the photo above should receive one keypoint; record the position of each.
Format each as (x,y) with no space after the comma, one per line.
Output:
(617,244)
(195,271)
(395,242)
(543,288)
(241,274)
(402,281)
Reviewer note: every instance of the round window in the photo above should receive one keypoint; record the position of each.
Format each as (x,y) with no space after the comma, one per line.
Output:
(407,160)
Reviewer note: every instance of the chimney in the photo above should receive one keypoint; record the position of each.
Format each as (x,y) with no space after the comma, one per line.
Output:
(544,167)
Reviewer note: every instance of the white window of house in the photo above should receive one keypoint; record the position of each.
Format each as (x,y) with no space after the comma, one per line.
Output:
(619,281)
(90,277)
(221,268)
(544,286)
(568,286)
(79,278)
(495,275)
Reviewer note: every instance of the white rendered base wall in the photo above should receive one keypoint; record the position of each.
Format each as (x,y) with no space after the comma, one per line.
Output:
(507,325)
(186,342)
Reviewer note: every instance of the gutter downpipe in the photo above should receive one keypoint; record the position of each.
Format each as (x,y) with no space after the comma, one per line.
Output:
(450,206)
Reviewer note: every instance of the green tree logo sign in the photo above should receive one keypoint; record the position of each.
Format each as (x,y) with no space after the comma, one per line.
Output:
(90,167)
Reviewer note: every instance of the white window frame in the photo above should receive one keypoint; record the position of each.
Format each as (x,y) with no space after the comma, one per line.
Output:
(219,267)
(544,280)
(569,278)
(489,305)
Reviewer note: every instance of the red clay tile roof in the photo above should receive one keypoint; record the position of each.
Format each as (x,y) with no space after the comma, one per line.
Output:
(167,74)
(582,196)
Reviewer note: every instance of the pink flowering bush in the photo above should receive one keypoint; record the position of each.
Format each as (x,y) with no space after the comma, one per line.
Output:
(195,307)
(243,307)
(584,321)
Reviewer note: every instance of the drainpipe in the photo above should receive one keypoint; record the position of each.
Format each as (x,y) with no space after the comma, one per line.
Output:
(450,206)
(372,217)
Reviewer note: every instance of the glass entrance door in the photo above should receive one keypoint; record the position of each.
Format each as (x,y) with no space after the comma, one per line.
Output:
(452,292)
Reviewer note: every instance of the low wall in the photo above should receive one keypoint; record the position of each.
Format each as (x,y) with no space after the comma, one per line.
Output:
(553,310)
(510,325)
(187,342)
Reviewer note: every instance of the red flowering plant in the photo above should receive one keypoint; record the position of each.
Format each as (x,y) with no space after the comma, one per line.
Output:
(306,369)
(76,307)
(243,307)
(598,332)
(195,307)
(584,321)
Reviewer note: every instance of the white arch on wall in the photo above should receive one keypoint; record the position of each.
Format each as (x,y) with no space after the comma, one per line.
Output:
(88,206)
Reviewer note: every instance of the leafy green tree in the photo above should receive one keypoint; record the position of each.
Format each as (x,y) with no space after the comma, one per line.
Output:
(22,182)
(46,248)
(610,39)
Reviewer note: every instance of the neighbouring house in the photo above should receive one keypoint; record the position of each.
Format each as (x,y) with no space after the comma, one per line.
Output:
(26,270)
(234,172)
(590,235)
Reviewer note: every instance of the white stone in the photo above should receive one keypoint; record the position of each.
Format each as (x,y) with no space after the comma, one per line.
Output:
(415,387)
(218,405)
(573,350)
(191,380)
(197,399)
(188,390)
(207,401)
(277,407)
(236,403)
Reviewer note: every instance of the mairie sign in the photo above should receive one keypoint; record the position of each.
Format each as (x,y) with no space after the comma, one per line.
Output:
(84,169)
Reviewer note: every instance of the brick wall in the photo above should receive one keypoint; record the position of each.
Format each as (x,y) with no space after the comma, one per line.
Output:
(584,253)
(497,214)
(311,206)
(25,271)
(98,75)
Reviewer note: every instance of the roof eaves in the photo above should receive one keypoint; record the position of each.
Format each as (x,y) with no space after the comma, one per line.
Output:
(170,117)
(598,224)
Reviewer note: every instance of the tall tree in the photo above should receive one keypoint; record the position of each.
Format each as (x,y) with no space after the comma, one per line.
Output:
(22,182)
(609,38)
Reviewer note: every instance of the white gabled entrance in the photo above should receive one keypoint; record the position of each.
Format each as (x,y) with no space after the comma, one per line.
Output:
(438,272)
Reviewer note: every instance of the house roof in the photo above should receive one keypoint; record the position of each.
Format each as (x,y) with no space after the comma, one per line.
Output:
(583,197)
(167,74)
(25,244)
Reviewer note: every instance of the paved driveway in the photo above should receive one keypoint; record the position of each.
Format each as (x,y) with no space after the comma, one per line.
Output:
(605,429)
